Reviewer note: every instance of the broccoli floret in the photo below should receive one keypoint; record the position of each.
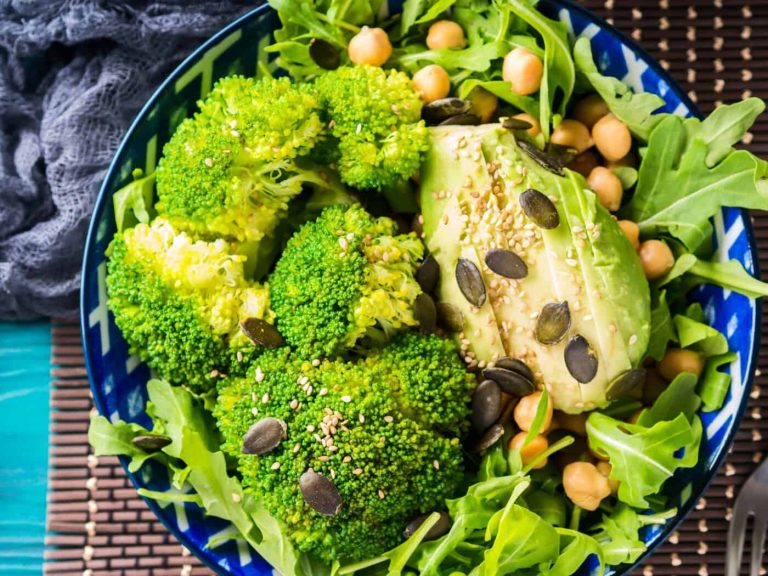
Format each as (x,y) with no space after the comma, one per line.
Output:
(376,117)
(178,302)
(342,278)
(348,423)
(231,170)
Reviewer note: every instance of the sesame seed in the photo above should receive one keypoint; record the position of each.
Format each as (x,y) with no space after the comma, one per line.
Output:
(236,497)
(323,391)
(255,411)
(311,428)
(333,448)
(361,418)
(275,466)
(316,362)
(357,471)
(259,375)
(435,464)
(294,404)
(214,373)
(388,419)
(381,493)
(323,458)
(235,134)
(633,339)
(346,399)
(296,448)
(208,162)
(347,459)
(265,398)
(239,356)
(343,243)
(303,380)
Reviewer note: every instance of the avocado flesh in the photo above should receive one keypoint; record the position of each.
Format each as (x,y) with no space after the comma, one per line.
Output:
(470,182)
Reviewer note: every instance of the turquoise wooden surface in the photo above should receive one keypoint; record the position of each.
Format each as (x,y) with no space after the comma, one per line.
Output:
(25,356)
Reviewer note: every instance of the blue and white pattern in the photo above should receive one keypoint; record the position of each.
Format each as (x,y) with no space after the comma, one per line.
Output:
(118,380)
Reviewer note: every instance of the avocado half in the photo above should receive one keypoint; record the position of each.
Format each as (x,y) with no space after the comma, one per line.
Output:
(472,180)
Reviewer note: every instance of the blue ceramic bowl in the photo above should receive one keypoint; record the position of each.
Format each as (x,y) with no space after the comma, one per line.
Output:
(118,379)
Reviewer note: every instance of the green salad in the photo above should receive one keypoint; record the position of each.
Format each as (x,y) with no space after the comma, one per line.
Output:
(416,295)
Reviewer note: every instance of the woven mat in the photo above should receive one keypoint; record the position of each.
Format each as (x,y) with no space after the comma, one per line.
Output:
(718,50)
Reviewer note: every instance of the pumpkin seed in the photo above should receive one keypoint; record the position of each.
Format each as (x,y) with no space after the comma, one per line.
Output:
(580,359)
(506,263)
(439,528)
(428,274)
(543,159)
(515,365)
(564,155)
(486,405)
(450,317)
(261,333)
(425,313)
(516,124)
(444,108)
(264,436)
(626,383)
(553,323)
(151,442)
(492,435)
(320,493)
(470,282)
(324,54)
(464,119)
(510,381)
(540,209)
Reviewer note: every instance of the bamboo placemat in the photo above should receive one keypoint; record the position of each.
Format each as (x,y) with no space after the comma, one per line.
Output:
(718,50)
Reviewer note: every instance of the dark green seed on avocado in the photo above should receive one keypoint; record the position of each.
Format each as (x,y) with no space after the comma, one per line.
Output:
(580,359)
(506,263)
(625,384)
(443,108)
(465,119)
(510,381)
(439,528)
(470,282)
(516,124)
(490,438)
(515,365)
(425,313)
(264,436)
(450,317)
(428,275)
(486,405)
(261,333)
(543,159)
(540,209)
(324,54)
(320,493)
(151,442)
(553,323)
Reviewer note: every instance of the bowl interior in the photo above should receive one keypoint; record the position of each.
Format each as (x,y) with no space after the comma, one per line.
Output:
(118,379)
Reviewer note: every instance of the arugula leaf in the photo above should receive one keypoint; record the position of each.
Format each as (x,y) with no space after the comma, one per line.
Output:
(713,386)
(627,176)
(110,439)
(133,202)
(502,90)
(730,275)
(696,334)
(635,110)
(435,10)
(643,458)
(677,191)
(559,72)
(575,553)
(619,533)
(551,507)
(677,398)
(725,127)
(411,11)
(474,58)
(662,327)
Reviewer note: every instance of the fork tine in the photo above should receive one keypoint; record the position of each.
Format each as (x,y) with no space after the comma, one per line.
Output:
(736,533)
(758,541)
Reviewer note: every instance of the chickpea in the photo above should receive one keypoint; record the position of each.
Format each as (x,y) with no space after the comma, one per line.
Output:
(631,231)
(576,423)
(525,412)
(573,134)
(535,128)
(590,109)
(584,163)
(528,453)
(678,360)
(629,161)
(370,46)
(612,138)
(484,103)
(656,258)
(605,469)
(523,70)
(607,186)
(432,83)
(653,387)
(584,485)
(445,34)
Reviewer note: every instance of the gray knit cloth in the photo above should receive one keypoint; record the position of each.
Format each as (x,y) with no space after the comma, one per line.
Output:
(73,74)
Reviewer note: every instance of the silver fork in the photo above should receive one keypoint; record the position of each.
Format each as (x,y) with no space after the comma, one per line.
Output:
(752,501)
